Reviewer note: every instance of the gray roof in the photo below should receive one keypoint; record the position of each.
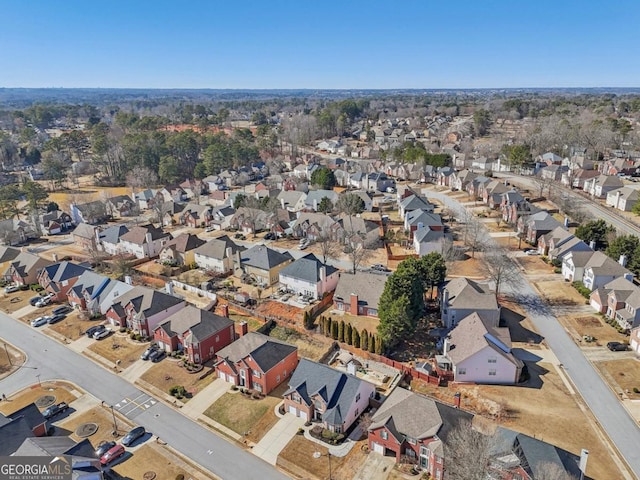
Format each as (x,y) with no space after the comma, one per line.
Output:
(84,230)
(138,234)
(427,235)
(307,268)
(264,258)
(217,248)
(13,433)
(112,234)
(147,300)
(201,323)
(8,253)
(542,221)
(426,218)
(465,293)
(414,202)
(25,262)
(291,197)
(266,351)
(59,272)
(367,286)
(318,195)
(601,264)
(337,389)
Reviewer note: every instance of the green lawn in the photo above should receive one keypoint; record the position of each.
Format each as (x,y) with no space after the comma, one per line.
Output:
(238,412)
(253,323)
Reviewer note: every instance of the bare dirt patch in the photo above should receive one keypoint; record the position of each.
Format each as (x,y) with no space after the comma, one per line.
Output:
(169,373)
(10,358)
(73,326)
(149,458)
(10,302)
(558,292)
(534,265)
(358,321)
(313,347)
(118,347)
(625,373)
(582,325)
(469,267)
(61,390)
(280,311)
(103,418)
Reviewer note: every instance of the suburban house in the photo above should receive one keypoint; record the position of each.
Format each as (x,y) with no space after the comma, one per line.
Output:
(96,293)
(14,231)
(292,200)
(145,199)
(635,339)
(55,222)
(181,249)
(553,172)
(314,197)
(312,225)
(121,206)
(358,179)
(86,237)
(256,361)
(57,279)
(263,264)
(199,334)
(142,309)
(359,294)
(623,198)
(28,419)
(428,240)
(558,242)
(619,300)
(321,393)
(409,424)
(478,351)
(309,276)
(366,199)
(417,219)
(222,216)
(600,186)
(476,186)
(7,255)
(144,241)
(91,212)
(531,227)
(414,202)
(195,215)
(601,268)
(249,220)
(25,267)
(218,255)
(109,239)
(351,230)
(492,193)
(459,180)
(576,178)
(461,297)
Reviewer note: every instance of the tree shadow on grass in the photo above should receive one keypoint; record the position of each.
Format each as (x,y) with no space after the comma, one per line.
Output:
(513,321)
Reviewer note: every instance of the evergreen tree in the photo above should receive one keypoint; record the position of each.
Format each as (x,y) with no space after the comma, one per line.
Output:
(329,327)
(372,343)
(379,345)
(348,334)
(334,329)
(364,340)
(355,338)
(341,331)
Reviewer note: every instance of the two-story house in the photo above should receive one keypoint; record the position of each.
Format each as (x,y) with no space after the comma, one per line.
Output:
(531,227)
(417,219)
(195,215)
(292,200)
(359,294)
(90,212)
(600,186)
(321,393)
(263,264)
(599,271)
(460,297)
(86,237)
(144,241)
(96,293)
(309,276)
(218,255)
(623,198)
(414,202)
(618,299)
(181,250)
(58,278)
(25,267)
(257,362)
(109,239)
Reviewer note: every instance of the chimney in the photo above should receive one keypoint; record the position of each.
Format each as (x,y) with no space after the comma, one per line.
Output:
(237,262)
(282,203)
(244,328)
(127,280)
(228,252)
(623,260)
(148,238)
(446,345)
(592,245)
(54,257)
(169,288)
(315,204)
(224,310)
(353,306)
(323,273)
(456,399)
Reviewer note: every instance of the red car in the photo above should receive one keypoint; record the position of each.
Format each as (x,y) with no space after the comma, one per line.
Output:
(112,454)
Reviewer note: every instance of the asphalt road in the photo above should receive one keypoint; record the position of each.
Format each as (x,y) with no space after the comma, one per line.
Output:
(50,360)
(609,412)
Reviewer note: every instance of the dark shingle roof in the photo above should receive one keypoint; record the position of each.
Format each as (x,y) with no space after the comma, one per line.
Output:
(59,272)
(367,286)
(112,234)
(201,323)
(307,268)
(217,248)
(264,258)
(266,351)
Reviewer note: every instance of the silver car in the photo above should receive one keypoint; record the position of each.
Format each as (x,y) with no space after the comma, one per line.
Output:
(38,322)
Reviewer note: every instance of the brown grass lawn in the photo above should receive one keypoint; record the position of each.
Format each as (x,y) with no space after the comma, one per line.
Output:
(625,372)
(252,322)
(8,362)
(558,292)
(127,352)
(357,321)
(60,390)
(10,302)
(299,451)
(73,326)
(470,267)
(169,373)
(102,417)
(535,266)
(242,414)
(309,346)
(545,410)
(584,324)
(149,458)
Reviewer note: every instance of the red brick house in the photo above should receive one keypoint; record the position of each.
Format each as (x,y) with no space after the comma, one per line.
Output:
(408,424)
(200,334)
(25,268)
(25,419)
(58,279)
(359,294)
(86,237)
(257,362)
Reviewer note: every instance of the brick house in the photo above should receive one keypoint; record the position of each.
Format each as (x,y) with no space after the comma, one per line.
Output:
(321,393)
(181,250)
(532,227)
(57,279)
(200,334)
(24,269)
(86,237)
(359,294)
(409,424)
(257,362)
(195,215)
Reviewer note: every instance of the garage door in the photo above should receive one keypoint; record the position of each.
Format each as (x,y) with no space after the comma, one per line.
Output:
(298,413)
(634,345)
(377,448)
(303,415)
(223,376)
(293,410)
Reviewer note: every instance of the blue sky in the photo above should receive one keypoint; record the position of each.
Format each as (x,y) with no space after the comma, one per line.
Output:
(319,43)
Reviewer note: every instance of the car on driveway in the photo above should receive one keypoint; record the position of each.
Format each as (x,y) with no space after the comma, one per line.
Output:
(34,300)
(55,319)
(104,447)
(113,453)
(61,310)
(532,252)
(54,410)
(11,289)
(145,355)
(38,322)
(133,435)
(270,236)
(44,301)
(92,330)
(379,267)
(156,355)
(100,334)
(617,346)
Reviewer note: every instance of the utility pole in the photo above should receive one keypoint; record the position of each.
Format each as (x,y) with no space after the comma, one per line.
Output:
(8,356)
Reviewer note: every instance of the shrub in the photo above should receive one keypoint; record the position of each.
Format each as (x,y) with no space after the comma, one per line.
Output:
(234,387)
(132,336)
(300,431)
(557,270)
(178,391)
(123,329)
(180,476)
(635,390)
(582,290)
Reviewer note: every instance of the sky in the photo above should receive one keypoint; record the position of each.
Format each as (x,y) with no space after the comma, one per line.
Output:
(319,44)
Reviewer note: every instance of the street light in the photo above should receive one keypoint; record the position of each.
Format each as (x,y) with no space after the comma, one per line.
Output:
(328,455)
(115,424)
(8,356)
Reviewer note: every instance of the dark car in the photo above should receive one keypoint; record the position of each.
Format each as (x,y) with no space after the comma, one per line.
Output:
(114,452)
(54,410)
(92,330)
(270,236)
(61,310)
(55,319)
(156,355)
(617,346)
(147,353)
(104,447)
(34,300)
(133,435)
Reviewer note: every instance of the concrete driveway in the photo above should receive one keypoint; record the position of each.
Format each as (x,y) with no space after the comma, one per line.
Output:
(375,467)
(274,441)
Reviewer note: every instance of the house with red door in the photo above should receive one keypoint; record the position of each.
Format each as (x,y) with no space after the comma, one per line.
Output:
(199,334)
(410,425)
(57,279)
(257,362)
(321,393)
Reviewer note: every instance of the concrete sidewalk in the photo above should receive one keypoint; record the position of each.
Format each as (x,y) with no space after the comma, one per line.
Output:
(274,441)
(136,370)
(204,398)
(81,344)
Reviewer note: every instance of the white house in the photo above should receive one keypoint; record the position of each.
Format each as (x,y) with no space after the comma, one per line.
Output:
(292,200)
(480,352)
(309,276)
(217,255)
(144,241)
(461,297)
(427,240)
(623,198)
(602,185)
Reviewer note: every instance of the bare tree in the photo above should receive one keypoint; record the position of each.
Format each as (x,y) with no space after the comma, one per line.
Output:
(499,267)
(357,253)
(160,207)
(449,251)
(543,183)
(141,178)
(474,234)
(552,471)
(468,452)
(328,247)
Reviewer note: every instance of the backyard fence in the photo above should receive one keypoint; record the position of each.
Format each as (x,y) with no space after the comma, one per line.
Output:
(192,289)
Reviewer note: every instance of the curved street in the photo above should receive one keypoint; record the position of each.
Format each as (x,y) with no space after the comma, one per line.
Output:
(50,360)
(620,427)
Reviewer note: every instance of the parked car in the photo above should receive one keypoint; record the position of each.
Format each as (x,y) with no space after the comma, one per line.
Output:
(145,355)
(11,289)
(617,346)
(114,452)
(104,447)
(156,355)
(209,229)
(38,322)
(133,435)
(61,310)
(54,410)
(34,300)
(44,301)
(379,267)
(92,330)
(303,246)
(55,319)
(100,334)
(270,236)
(533,252)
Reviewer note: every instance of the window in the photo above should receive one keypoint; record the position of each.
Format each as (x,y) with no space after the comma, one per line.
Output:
(384,435)
(411,441)
(295,397)
(357,397)
(257,386)
(256,373)
(492,372)
(217,338)
(337,428)
(492,360)
(356,413)
(462,371)
(277,378)
(438,475)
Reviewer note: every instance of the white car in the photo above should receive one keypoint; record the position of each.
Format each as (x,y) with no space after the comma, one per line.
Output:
(11,289)
(533,252)
(100,334)
(43,302)
(38,322)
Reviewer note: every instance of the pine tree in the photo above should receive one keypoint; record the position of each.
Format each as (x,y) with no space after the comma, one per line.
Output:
(327,332)
(355,338)
(323,324)
(341,331)
(308,321)
(348,334)
(372,343)
(334,329)
(379,346)
(364,340)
